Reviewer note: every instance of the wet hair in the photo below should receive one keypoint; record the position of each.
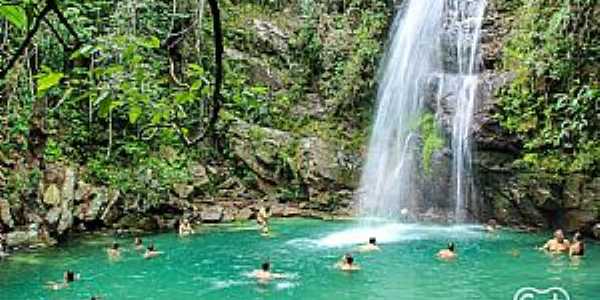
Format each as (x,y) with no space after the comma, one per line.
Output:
(151,247)
(115,246)
(349,259)
(138,241)
(372,241)
(265,266)
(492,222)
(70,276)
(451,246)
(578,237)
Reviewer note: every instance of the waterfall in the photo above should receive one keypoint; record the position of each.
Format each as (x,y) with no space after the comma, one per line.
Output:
(430,40)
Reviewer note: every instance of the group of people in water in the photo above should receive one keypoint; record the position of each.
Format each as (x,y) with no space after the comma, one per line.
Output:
(558,244)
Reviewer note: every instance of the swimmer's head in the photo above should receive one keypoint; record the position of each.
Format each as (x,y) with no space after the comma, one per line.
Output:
(265,266)
(138,241)
(492,222)
(151,247)
(115,246)
(451,246)
(559,235)
(348,258)
(372,241)
(578,237)
(69,276)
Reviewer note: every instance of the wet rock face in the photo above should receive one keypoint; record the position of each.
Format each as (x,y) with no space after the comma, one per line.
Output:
(5,214)
(316,169)
(271,37)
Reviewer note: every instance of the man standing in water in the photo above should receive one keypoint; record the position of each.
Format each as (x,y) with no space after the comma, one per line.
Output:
(262,218)
(185,228)
(558,244)
(3,244)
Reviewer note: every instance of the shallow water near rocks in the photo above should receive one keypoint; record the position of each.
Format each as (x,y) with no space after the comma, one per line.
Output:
(215,265)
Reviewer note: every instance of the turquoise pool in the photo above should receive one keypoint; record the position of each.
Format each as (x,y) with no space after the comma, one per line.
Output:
(215,263)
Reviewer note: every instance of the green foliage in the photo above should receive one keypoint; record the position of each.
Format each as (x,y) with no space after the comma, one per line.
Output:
(46,80)
(15,15)
(53,152)
(432,138)
(553,104)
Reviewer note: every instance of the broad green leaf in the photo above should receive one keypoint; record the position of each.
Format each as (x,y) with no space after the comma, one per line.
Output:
(15,15)
(150,42)
(47,81)
(84,51)
(105,106)
(135,111)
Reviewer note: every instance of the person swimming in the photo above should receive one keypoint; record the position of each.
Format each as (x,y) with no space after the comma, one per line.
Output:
(577,248)
(448,253)
(491,225)
(265,274)
(370,246)
(558,244)
(347,263)
(151,252)
(137,242)
(68,277)
(113,251)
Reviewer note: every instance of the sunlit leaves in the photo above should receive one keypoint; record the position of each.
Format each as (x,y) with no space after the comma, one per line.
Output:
(15,15)
(47,80)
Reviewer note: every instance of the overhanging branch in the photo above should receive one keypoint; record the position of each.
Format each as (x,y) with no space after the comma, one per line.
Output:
(26,41)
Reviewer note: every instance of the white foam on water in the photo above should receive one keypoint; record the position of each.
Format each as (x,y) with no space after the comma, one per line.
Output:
(285,285)
(396,232)
(223,284)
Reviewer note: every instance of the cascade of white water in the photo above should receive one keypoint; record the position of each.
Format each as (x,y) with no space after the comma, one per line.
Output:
(429,38)
(467,20)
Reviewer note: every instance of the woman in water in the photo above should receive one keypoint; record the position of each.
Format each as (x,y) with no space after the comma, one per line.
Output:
(577,248)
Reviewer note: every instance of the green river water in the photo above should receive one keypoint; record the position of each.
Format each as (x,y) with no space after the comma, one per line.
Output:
(215,263)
